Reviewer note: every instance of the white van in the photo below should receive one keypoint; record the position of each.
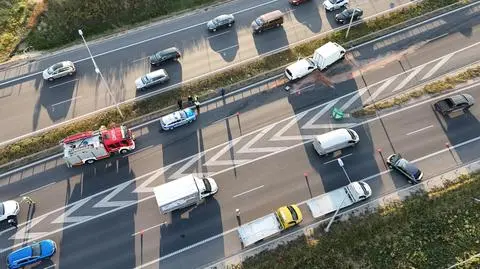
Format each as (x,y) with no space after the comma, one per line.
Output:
(335,140)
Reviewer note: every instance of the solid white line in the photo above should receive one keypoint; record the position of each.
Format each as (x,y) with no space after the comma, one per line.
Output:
(227,48)
(143,58)
(419,130)
(380,89)
(224,68)
(153,227)
(59,84)
(245,192)
(51,266)
(212,36)
(343,156)
(408,78)
(37,189)
(137,151)
(438,65)
(71,99)
(437,37)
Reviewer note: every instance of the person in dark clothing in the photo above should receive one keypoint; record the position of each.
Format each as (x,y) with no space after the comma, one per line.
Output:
(222,91)
(180,103)
(190,100)
(12,221)
(197,106)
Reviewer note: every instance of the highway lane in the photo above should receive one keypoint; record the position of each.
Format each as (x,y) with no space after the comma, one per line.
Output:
(169,148)
(46,103)
(283,183)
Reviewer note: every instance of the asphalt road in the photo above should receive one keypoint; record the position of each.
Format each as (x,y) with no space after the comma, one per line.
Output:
(38,104)
(101,216)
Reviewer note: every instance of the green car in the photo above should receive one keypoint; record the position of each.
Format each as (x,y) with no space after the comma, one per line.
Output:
(408,169)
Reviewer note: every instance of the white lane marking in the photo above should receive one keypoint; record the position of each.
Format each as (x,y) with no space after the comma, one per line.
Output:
(408,78)
(137,151)
(60,84)
(143,58)
(71,99)
(380,89)
(343,156)
(7,230)
(227,48)
(438,65)
(300,203)
(51,266)
(31,164)
(419,130)
(37,189)
(83,220)
(245,192)
(153,227)
(212,36)
(437,37)
(354,98)
(228,67)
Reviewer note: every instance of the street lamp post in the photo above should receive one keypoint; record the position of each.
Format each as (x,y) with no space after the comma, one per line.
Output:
(350,24)
(340,162)
(97,70)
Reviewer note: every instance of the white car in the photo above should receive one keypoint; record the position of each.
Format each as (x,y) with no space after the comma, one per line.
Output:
(150,79)
(58,70)
(300,69)
(331,5)
(8,209)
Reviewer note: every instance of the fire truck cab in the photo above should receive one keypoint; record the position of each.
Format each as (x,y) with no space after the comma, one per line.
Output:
(87,147)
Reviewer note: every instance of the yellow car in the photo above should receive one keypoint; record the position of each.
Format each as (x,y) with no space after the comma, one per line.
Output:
(289,216)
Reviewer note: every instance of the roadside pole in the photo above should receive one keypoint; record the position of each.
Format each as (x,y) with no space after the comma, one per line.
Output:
(334,215)
(350,24)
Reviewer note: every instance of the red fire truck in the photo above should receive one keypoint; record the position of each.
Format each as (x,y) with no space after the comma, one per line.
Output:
(87,147)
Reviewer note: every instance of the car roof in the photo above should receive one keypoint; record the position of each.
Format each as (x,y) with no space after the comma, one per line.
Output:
(157,73)
(19,254)
(169,50)
(174,116)
(272,15)
(299,66)
(407,166)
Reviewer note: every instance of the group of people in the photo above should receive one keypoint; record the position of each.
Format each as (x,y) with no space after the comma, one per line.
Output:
(191,101)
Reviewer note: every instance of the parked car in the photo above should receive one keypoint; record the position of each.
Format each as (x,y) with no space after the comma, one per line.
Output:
(165,55)
(331,5)
(150,79)
(408,169)
(31,254)
(267,21)
(346,15)
(300,69)
(58,70)
(222,21)
(454,103)
(297,2)
(177,118)
(8,209)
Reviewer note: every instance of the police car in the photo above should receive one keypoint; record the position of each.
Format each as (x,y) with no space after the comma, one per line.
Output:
(177,118)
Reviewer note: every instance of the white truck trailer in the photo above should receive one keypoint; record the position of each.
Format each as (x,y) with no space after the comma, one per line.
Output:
(183,192)
(271,224)
(339,198)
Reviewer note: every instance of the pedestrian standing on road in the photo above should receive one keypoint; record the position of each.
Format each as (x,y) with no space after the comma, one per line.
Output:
(28,200)
(197,106)
(180,103)
(222,91)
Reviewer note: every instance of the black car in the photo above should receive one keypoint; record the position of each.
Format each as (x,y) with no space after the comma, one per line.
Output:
(221,21)
(454,103)
(346,15)
(165,55)
(408,169)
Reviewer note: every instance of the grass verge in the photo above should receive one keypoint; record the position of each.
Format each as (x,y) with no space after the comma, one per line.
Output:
(206,87)
(432,88)
(428,230)
(17,17)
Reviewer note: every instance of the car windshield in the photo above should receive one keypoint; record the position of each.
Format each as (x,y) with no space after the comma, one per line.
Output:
(145,80)
(36,250)
(54,67)
(332,1)
(310,61)
(208,187)
(216,20)
(352,134)
(183,114)
(363,187)
(292,211)
(259,21)
(2,209)
(408,167)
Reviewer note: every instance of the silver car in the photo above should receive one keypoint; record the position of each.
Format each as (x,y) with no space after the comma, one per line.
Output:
(58,70)
(150,79)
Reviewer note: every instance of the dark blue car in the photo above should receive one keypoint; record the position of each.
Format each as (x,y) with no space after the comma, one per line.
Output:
(31,254)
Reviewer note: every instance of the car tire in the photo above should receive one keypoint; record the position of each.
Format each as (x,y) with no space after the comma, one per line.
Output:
(90,161)
(123,151)
(70,74)
(50,79)
(214,29)
(229,25)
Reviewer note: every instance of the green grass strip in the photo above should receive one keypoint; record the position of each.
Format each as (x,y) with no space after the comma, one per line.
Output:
(427,231)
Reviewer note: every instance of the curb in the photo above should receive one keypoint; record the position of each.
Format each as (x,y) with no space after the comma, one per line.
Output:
(392,197)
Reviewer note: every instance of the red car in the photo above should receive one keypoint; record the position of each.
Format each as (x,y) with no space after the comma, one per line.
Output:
(297,2)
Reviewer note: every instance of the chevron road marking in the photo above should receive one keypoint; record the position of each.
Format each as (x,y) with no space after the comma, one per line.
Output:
(408,78)
(278,136)
(65,217)
(325,109)
(24,234)
(380,89)
(213,161)
(439,64)
(247,147)
(105,202)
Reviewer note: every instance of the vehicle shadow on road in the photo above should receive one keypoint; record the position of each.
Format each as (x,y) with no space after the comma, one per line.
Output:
(271,39)
(308,14)
(225,43)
